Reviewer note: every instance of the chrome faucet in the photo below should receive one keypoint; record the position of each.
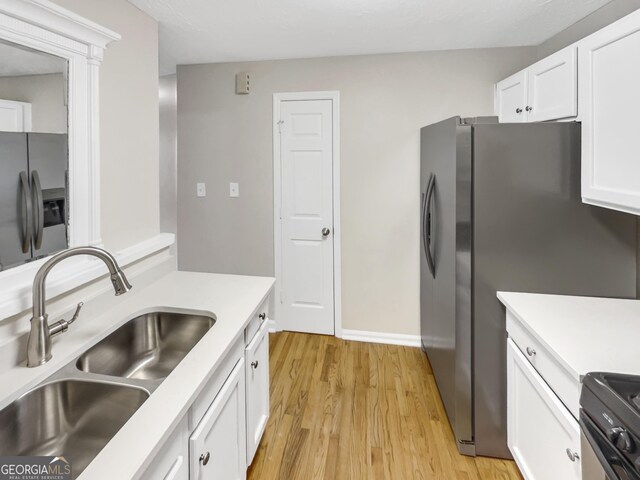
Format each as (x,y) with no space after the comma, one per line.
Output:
(39,343)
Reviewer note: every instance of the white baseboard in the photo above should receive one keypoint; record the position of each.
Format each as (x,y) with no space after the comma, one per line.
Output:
(364,336)
(378,337)
(273,326)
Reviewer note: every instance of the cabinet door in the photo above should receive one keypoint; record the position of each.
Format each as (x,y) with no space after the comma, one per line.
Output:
(217,447)
(552,85)
(542,435)
(171,461)
(511,98)
(609,100)
(257,372)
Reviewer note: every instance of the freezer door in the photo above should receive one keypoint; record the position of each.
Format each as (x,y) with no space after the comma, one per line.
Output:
(48,162)
(445,268)
(532,233)
(15,222)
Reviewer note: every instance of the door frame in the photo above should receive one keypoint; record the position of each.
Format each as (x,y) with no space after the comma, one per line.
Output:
(278,98)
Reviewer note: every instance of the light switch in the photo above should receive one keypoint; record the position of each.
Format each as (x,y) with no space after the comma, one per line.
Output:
(234,190)
(201,190)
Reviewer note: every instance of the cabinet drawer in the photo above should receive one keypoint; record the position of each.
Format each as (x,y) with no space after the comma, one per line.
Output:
(565,386)
(214,384)
(543,436)
(261,316)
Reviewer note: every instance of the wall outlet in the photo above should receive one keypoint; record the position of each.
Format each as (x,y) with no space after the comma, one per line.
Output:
(234,190)
(201,190)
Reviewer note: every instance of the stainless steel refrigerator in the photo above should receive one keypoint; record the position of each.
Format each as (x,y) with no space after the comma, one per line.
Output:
(501,210)
(33,196)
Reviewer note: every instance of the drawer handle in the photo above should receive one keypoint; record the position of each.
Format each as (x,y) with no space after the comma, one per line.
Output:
(518,110)
(262,316)
(530,351)
(573,456)
(204,459)
(254,364)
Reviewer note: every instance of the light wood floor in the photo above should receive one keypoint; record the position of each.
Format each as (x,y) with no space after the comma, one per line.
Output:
(357,411)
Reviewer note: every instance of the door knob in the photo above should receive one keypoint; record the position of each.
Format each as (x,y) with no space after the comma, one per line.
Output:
(204,459)
(325,232)
(528,109)
(254,365)
(518,110)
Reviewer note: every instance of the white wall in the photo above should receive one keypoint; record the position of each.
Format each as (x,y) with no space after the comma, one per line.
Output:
(385,99)
(46,94)
(128,121)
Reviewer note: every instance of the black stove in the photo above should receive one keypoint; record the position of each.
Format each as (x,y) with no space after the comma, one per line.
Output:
(610,425)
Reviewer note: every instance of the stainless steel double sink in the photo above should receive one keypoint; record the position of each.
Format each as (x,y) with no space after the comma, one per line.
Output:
(77,410)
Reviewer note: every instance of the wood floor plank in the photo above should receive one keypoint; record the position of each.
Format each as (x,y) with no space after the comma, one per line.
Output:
(353,411)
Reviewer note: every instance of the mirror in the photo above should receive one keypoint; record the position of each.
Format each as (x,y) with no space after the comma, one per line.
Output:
(33,155)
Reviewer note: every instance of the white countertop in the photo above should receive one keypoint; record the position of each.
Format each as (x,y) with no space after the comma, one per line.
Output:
(585,334)
(233,299)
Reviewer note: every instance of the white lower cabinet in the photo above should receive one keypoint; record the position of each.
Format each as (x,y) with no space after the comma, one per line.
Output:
(220,434)
(543,436)
(171,462)
(217,448)
(257,373)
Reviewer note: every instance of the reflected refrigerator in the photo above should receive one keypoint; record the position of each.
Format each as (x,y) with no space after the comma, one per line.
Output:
(33,196)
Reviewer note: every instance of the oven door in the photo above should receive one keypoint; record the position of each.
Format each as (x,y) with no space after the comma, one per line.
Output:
(600,459)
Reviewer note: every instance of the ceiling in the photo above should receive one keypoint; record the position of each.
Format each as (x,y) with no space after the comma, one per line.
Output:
(203,31)
(16,60)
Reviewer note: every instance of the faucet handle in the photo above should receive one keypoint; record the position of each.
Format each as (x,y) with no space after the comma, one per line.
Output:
(76,314)
(63,325)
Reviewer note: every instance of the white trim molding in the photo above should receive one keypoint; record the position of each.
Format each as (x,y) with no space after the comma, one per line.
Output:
(380,337)
(68,275)
(278,98)
(44,26)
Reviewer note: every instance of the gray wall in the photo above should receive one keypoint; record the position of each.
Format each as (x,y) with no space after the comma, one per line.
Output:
(46,94)
(385,99)
(128,122)
(591,23)
(168,153)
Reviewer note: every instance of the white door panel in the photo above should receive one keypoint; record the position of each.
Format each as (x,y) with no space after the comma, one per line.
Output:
(511,98)
(306,146)
(553,87)
(217,447)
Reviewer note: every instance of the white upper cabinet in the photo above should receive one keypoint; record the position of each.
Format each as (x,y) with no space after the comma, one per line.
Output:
(547,90)
(511,98)
(552,87)
(609,99)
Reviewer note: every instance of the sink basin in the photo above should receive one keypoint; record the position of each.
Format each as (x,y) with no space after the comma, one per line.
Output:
(72,418)
(148,347)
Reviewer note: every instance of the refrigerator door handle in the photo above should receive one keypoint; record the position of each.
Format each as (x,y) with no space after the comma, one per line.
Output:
(38,212)
(423,213)
(26,212)
(431,186)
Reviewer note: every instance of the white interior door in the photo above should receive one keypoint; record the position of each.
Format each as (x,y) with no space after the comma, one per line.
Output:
(15,116)
(306,216)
